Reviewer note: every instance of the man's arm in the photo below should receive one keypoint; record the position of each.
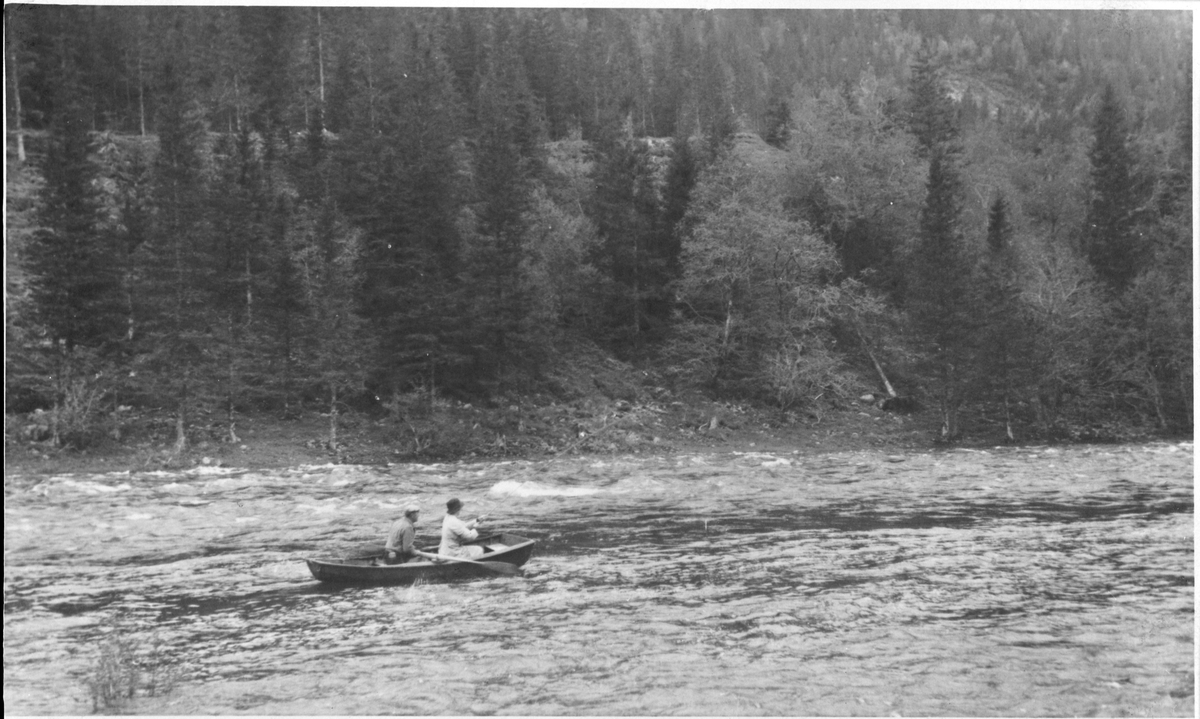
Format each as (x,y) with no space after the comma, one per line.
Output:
(406,541)
(462,530)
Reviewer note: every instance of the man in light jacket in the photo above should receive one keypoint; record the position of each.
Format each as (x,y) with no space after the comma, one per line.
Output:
(455,532)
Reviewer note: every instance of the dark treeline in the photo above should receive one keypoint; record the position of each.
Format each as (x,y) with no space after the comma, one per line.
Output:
(244,207)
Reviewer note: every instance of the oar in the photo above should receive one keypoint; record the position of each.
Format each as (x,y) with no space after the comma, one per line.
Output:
(499,567)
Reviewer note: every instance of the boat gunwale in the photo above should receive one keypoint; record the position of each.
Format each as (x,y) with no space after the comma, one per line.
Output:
(359,564)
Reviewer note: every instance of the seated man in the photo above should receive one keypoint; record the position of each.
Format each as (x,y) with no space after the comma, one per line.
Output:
(399,547)
(456,532)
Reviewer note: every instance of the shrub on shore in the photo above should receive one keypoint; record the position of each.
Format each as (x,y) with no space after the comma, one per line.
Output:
(128,665)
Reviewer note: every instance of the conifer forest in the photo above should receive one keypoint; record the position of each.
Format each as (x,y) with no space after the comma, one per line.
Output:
(218,210)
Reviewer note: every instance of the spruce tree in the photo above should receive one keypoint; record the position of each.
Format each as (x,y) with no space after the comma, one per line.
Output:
(667,247)
(779,123)
(624,216)
(715,96)
(671,80)
(177,261)
(507,164)
(328,260)
(1004,334)
(242,205)
(73,280)
(546,57)
(132,177)
(403,165)
(1110,242)
(942,294)
(931,115)
(282,308)
(942,291)
(74,284)
(1177,198)
(271,33)
(1151,344)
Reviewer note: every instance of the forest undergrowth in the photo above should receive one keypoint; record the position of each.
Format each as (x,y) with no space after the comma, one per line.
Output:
(595,405)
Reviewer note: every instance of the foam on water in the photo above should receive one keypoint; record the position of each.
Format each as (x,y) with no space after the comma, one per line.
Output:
(537,489)
(208,471)
(95,487)
(859,583)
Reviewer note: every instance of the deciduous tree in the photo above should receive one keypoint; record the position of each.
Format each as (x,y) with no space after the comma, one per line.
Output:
(756,290)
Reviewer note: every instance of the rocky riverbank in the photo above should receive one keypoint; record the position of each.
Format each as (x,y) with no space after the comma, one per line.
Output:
(446,431)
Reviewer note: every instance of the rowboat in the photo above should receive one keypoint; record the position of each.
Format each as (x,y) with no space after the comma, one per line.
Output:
(502,551)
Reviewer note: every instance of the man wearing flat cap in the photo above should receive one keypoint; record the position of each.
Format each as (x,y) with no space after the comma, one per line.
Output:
(399,548)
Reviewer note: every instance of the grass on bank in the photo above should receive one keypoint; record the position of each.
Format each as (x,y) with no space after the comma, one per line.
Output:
(129,665)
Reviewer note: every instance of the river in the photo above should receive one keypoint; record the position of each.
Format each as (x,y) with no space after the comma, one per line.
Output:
(1015,581)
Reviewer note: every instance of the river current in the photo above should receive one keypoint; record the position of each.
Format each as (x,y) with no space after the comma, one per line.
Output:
(1007,582)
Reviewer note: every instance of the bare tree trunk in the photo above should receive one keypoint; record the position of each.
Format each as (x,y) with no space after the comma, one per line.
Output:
(17,103)
(370,95)
(878,367)
(728,330)
(333,418)
(637,289)
(726,334)
(287,367)
(249,291)
(181,412)
(62,377)
(141,94)
(127,280)
(181,442)
(1008,431)
(948,399)
(320,63)
(1185,390)
(231,378)
(1156,398)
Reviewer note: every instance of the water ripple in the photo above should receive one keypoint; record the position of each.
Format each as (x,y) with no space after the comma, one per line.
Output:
(1015,581)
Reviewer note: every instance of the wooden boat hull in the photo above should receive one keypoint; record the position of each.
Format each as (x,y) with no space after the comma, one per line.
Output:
(503,547)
